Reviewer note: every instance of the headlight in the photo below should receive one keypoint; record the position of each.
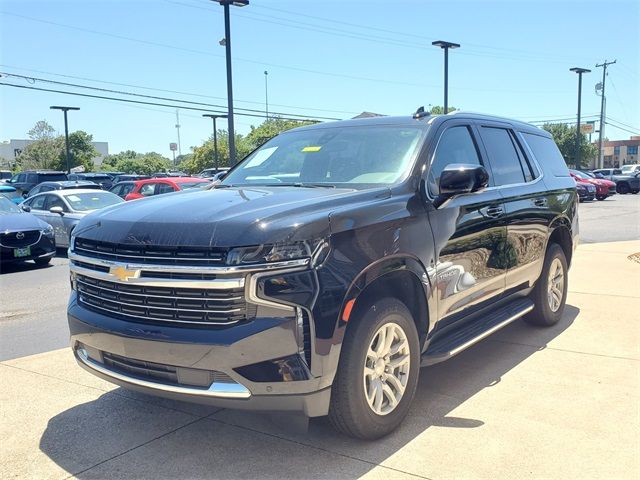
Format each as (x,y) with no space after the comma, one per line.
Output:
(271,253)
(48,231)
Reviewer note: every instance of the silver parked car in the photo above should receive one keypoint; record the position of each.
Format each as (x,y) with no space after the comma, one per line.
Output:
(63,209)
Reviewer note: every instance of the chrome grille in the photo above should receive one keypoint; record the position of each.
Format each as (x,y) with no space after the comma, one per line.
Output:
(19,239)
(162,304)
(150,254)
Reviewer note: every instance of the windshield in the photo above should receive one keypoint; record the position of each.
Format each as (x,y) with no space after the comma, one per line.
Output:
(345,156)
(11,194)
(83,202)
(7,206)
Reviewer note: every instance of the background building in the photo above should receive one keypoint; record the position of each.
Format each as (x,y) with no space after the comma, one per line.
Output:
(11,149)
(619,152)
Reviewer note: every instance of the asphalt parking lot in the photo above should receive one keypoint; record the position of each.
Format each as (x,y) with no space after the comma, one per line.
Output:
(526,402)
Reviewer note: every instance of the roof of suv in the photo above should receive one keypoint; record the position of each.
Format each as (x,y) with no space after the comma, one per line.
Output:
(65,184)
(423,121)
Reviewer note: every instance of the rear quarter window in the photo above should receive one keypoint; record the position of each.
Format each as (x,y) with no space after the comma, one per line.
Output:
(547,154)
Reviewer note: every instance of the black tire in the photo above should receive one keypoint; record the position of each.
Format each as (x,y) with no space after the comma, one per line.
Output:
(601,197)
(41,262)
(349,411)
(623,188)
(635,192)
(542,313)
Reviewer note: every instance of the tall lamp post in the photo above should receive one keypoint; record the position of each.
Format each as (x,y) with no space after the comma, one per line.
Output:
(579,71)
(215,137)
(66,132)
(227,44)
(446,46)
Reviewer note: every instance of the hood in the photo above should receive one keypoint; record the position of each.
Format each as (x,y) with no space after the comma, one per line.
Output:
(224,217)
(20,222)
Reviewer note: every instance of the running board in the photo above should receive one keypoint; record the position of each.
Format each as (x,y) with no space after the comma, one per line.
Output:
(442,349)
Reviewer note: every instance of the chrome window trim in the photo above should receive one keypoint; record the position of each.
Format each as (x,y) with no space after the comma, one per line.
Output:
(217,389)
(218,270)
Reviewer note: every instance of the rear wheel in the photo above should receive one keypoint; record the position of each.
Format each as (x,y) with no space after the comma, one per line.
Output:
(377,373)
(601,197)
(550,293)
(623,188)
(635,191)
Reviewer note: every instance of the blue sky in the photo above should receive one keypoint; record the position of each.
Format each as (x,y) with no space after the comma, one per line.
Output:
(326,58)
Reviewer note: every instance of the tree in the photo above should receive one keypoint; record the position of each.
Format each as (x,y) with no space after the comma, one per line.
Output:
(81,150)
(132,162)
(41,131)
(203,156)
(439,110)
(41,154)
(565,137)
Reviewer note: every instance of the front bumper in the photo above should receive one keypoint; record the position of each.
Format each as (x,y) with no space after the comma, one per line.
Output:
(221,351)
(43,248)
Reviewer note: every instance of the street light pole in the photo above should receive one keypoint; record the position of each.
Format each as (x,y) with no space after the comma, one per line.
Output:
(215,137)
(266,95)
(227,44)
(579,71)
(66,132)
(446,46)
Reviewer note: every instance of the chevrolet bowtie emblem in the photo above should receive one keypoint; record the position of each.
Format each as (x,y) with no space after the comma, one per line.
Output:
(122,274)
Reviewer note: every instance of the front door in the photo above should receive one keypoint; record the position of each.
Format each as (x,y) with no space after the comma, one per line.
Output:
(469,231)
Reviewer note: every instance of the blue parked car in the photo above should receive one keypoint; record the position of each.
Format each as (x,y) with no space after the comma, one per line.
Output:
(11,193)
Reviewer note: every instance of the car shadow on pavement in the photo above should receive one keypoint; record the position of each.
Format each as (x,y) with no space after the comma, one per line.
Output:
(119,436)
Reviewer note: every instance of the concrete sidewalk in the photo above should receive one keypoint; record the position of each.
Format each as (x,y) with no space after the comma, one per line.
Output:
(525,403)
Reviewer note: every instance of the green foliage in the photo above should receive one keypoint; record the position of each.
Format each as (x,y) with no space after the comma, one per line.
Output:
(565,137)
(439,110)
(48,151)
(203,156)
(139,163)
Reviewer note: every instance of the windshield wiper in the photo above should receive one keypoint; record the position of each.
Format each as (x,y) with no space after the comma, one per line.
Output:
(301,185)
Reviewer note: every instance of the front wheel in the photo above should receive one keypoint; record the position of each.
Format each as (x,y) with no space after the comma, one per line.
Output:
(550,293)
(601,197)
(41,262)
(377,373)
(635,192)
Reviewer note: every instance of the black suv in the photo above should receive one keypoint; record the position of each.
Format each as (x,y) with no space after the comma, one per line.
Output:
(25,181)
(328,267)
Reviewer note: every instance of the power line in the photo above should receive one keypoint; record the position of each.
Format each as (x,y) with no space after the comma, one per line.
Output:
(119,92)
(173,91)
(621,128)
(102,97)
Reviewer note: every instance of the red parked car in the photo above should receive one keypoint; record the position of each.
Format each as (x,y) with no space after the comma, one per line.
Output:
(604,188)
(158,186)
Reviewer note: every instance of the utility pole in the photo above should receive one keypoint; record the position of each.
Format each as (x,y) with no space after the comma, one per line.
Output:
(215,137)
(604,66)
(178,129)
(66,133)
(579,71)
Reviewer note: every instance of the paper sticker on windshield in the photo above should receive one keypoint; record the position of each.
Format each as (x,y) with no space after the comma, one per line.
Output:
(311,149)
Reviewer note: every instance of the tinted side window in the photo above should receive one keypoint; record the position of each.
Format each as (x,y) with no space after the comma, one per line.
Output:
(505,162)
(455,146)
(164,188)
(547,154)
(32,178)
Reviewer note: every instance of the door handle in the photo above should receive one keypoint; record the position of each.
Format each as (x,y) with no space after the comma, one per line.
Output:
(540,202)
(494,212)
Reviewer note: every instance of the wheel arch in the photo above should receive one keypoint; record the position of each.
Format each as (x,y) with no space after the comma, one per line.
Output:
(561,233)
(401,277)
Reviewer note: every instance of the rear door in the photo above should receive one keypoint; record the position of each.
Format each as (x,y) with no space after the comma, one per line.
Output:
(56,220)
(518,179)
(469,231)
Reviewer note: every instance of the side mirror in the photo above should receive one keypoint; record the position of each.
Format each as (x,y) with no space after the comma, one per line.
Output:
(25,208)
(459,178)
(57,210)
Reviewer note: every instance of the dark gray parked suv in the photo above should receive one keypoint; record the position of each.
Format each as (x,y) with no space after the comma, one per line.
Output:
(328,267)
